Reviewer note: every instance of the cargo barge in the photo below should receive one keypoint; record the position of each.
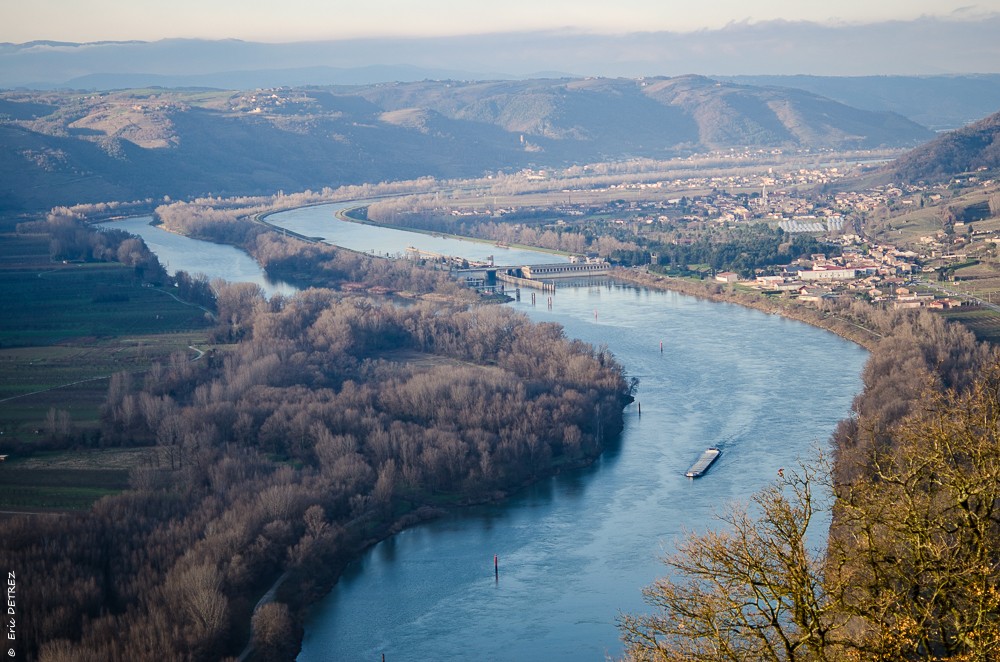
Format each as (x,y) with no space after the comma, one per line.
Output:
(703,463)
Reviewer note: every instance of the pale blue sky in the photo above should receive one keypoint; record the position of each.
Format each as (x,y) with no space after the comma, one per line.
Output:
(298,20)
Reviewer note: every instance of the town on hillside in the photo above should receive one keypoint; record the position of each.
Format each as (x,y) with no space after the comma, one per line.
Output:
(897,245)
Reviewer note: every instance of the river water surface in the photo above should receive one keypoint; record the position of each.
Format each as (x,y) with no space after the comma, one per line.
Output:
(179,253)
(575,550)
(320,221)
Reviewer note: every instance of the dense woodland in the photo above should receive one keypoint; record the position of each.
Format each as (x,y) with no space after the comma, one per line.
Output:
(329,422)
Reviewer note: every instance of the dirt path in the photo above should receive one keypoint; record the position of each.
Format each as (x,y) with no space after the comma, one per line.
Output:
(264,599)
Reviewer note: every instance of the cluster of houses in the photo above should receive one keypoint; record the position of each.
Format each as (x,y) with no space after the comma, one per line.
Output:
(882,275)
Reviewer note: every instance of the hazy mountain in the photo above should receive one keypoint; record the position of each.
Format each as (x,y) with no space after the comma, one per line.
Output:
(61,148)
(919,47)
(224,64)
(937,102)
(964,150)
(611,117)
(266,78)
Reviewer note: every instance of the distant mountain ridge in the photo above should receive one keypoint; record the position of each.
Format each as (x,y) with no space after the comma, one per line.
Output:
(904,67)
(320,76)
(63,148)
(940,102)
(653,115)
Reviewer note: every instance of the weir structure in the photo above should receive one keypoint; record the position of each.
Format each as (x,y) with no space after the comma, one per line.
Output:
(485,275)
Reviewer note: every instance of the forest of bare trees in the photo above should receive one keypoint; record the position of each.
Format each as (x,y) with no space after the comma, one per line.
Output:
(323,265)
(328,423)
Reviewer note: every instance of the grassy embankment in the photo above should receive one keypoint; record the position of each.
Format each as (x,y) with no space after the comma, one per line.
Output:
(66,329)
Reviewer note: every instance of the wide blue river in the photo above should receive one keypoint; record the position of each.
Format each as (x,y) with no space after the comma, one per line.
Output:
(575,550)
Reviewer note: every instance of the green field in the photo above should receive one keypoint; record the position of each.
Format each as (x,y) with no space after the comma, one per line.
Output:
(67,303)
(56,489)
(67,327)
(69,479)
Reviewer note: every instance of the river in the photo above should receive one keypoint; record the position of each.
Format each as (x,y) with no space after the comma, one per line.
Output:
(320,221)
(575,550)
(179,253)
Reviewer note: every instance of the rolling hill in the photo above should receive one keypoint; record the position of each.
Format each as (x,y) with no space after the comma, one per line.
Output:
(68,147)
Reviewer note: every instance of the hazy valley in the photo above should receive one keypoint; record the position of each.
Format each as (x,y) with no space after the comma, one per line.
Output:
(65,147)
(189,465)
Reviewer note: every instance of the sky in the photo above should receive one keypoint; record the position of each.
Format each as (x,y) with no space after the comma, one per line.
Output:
(305,20)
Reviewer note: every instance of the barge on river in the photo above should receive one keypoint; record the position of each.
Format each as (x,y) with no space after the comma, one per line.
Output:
(703,463)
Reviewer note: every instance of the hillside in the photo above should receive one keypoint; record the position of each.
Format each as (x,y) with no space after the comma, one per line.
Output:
(969,149)
(653,116)
(64,148)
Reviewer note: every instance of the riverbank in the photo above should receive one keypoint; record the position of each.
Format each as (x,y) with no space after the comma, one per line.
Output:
(835,322)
